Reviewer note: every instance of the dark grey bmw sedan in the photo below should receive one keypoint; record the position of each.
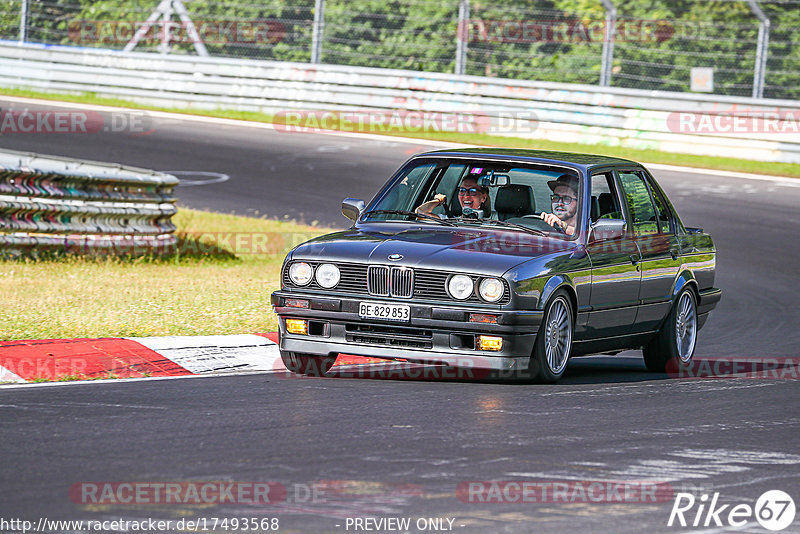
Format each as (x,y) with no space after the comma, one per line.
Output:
(510,261)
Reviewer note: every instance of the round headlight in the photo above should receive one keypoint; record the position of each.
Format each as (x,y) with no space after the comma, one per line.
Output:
(460,287)
(327,275)
(300,273)
(491,289)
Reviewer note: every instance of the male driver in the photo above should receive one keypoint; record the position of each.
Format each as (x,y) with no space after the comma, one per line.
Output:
(565,203)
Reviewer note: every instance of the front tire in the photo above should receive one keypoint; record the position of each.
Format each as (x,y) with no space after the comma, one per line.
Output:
(675,342)
(307,364)
(553,345)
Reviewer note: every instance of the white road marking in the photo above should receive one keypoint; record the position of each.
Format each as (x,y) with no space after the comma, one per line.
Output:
(29,405)
(784,180)
(215,177)
(681,465)
(746,457)
(4,387)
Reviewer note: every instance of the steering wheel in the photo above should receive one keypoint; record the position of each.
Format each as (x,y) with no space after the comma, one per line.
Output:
(543,224)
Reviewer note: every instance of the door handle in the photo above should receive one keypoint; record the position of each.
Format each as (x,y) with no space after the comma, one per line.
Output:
(673,252)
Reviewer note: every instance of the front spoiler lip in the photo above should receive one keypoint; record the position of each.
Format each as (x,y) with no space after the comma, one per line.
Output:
(460,360)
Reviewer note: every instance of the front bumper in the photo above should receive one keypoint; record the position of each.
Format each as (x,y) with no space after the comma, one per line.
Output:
(435,333)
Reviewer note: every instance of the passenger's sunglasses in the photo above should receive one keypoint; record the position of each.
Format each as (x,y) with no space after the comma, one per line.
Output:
(565,199)
(470,191)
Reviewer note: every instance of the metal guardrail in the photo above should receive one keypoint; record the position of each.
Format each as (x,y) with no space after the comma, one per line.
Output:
(56,203)
(545,110)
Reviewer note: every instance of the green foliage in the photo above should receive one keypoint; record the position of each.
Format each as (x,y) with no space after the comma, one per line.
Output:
(416,35)
(9,18)
(658,41)
(783,63)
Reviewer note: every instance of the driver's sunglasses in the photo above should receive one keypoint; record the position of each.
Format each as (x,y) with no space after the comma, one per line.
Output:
(470,191)
(565,199)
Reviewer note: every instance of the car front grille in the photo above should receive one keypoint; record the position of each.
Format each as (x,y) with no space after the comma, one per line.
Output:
(353,278)
(385,281)
(394,281)
(378,280)
(402,282)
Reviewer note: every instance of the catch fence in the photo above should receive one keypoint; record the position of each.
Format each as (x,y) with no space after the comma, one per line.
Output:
(724,47)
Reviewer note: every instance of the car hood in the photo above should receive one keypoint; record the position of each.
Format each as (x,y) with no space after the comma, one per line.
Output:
(466,249)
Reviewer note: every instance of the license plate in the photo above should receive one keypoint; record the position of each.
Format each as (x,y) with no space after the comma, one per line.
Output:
(390,312)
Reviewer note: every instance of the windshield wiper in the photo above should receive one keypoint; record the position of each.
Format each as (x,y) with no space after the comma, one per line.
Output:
(424,216)
(506,224)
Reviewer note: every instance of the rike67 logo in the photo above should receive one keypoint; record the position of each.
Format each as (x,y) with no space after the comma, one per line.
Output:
(774,510)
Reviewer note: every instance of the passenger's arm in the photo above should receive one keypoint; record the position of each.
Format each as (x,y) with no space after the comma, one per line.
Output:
(427,207)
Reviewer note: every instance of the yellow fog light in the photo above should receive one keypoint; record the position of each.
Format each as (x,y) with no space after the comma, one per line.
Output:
(490,343)
(297,326)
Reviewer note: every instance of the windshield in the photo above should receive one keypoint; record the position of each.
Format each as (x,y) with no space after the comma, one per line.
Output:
(475,192)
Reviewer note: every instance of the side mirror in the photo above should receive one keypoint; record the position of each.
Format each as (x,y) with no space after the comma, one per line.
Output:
(352,208)
(607,229)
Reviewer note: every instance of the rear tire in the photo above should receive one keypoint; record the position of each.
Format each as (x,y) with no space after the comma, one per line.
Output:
(307,364)
(673,346)
(553,345)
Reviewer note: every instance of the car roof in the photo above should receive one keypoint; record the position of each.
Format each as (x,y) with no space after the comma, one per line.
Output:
(574,159)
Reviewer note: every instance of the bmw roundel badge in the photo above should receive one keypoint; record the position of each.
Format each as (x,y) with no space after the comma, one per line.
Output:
(395,257)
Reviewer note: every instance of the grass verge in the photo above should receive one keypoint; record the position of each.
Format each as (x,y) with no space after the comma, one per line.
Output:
(218,282)
(636,154)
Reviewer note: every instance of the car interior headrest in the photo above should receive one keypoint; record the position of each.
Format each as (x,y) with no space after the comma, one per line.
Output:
(515,200)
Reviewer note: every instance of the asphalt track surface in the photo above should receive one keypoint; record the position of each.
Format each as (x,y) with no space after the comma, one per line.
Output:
(400,448)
